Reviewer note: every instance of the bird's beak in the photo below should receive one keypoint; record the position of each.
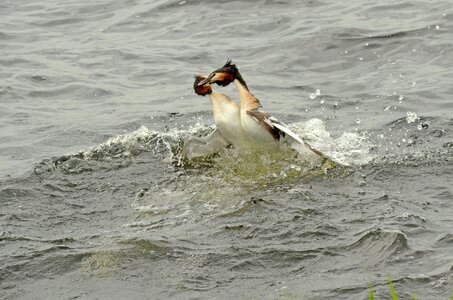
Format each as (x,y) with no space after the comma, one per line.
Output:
(218,77)
(207,79)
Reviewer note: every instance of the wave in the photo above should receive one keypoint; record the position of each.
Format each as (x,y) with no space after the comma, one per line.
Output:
(119,151)
(379,245)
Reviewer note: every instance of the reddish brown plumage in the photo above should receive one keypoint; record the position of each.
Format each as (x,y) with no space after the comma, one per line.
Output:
(202,90)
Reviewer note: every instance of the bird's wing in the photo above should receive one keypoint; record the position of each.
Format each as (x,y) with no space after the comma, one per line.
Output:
(273,126)
(263,119)
(279,130)
(283,127)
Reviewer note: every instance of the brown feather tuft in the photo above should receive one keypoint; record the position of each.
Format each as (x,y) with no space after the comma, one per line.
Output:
(202,90)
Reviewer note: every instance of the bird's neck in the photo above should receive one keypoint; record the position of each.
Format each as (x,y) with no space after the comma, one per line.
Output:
(219,100)
(248,101)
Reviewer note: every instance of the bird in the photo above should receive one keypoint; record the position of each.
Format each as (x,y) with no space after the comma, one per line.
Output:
(261,131)
(228,130)
(226,114)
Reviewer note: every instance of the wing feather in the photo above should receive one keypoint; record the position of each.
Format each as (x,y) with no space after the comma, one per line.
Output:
(288,132)
(264,121)
(285,130)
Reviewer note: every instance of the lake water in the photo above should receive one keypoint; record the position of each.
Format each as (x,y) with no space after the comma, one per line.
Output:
(96,99)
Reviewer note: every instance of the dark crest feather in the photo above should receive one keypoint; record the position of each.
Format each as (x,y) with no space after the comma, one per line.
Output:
(228,63)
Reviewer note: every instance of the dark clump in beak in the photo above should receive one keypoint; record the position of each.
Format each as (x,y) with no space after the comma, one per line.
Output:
(201,89)
(224,76)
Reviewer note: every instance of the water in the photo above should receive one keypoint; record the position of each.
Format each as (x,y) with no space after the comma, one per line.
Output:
(96,99)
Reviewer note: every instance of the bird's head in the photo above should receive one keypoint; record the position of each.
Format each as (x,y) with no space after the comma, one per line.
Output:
(201,89)
(224,76)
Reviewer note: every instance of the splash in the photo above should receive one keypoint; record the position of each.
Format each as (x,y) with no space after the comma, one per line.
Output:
(411,117)
(120,151)
(350,149)
(121,146)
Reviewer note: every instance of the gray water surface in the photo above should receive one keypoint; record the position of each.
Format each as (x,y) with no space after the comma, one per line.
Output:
(96,99)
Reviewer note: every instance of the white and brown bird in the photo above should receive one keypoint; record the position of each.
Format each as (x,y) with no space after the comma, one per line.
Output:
(227,118)
(256,129)
(226,114)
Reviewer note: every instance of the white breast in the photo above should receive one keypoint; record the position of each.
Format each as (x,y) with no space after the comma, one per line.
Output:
(228,121)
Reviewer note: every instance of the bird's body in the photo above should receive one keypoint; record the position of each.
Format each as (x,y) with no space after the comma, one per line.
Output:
(255,123)
(245,126)
(265,131)
(228,120)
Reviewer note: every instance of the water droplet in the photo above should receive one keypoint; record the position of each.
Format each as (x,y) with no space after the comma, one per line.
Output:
(442,281)
(386,108)
(182,2)
(360,58)
(405,216)
(306,110)
(345,51)
(318,92)
(437,27)
(312,96)
(400,98)
(411,117)
(423,125)
(357,120)
(414,83)
(322,101)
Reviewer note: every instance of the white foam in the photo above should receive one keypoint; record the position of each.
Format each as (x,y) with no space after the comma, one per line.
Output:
(140,140)
(411,117)
(348,149)
(121,145)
